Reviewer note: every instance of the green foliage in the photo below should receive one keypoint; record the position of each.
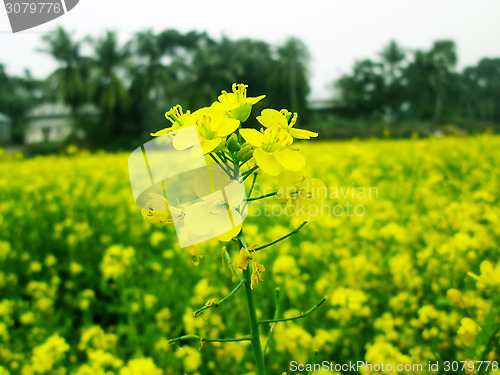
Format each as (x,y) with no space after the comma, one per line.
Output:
(481,87)
(420,86)
(135,83)
(69,80)
(17,96)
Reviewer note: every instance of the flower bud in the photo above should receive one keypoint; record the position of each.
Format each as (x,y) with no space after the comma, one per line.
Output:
(232,144)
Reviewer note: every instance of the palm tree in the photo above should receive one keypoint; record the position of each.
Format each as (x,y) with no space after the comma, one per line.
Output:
(152,74)
(362,92)
(292,74)
(215,66)
(107,83)
(69,79)
(4,79)
(393,57)
(163,73)
(108,73)
(482,89)
(444,58)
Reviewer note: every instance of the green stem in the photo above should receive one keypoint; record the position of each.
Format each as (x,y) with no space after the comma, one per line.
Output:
(229,156)
(253,185)
(220,162)
(228,260)
(259,357)
(276,316)
(279,239)
(262,196)
(302,315)
(222,156)
(196,337)
(488,347)
(247,174)
(217,304)
(254,325)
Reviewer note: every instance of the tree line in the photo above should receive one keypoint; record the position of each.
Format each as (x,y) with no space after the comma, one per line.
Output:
(133,84)
(425,86)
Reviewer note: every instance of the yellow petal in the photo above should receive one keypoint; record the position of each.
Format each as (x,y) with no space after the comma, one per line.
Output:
(307,209)
(290,179)
(157,217)
(267,162)
(270,117)
(486,267)
(259,268)
(314,188)
(257,99)
(226,127)
(161,132)
(184,140)
(208,145)
(302,133)
(243,259)
(228,98)
(252,136)
(200,112)
(156,202)
(290,159)
(225,107)
(228,236)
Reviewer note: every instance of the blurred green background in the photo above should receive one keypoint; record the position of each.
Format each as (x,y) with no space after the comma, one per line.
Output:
(87,287)
(107,94)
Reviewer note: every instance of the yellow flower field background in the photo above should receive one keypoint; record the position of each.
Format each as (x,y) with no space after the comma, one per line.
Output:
(87,287)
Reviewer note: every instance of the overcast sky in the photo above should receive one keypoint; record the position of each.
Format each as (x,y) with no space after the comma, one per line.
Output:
(336,32)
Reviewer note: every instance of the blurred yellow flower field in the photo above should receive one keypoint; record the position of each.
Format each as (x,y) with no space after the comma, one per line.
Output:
(406,252)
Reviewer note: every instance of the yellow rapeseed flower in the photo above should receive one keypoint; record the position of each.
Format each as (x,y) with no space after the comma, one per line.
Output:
(272,153)
(141,366)
(48,354)
(212,125)
(304,196)
(285,120)
(177,117)
(468,331)
(243,259)
(156,211)
(242,105)
(489,276)
(257,270)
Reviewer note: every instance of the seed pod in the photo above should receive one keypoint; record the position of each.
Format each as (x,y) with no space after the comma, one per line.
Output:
(246,153)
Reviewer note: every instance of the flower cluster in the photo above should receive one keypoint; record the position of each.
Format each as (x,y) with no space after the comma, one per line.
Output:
(270,150)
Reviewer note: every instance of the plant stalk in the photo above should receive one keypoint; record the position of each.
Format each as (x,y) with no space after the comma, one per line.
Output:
(259,357)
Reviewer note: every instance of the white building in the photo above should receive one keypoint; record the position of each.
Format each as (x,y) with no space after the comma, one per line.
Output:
(5,129)
(53,122)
